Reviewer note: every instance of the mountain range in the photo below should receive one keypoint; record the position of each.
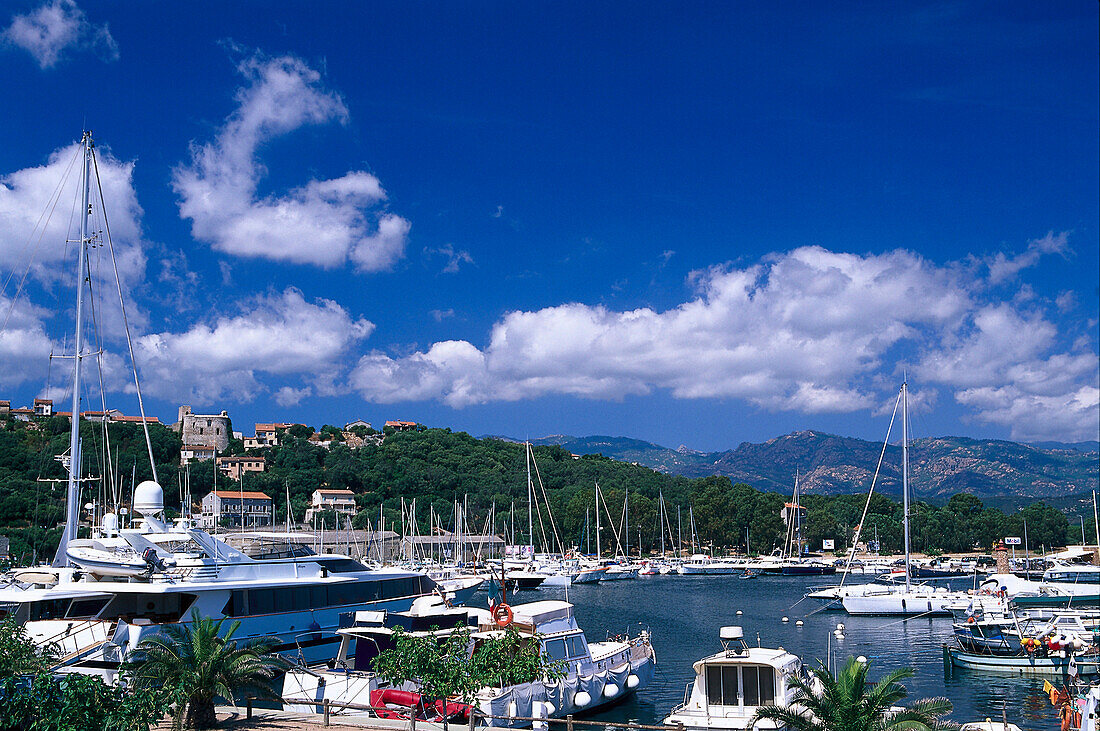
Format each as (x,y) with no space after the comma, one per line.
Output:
(831,464)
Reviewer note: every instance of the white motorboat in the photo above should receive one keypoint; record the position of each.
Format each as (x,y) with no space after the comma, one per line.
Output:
(619,572)
(732,685)
(597,674)
(702,565)
(112,562)
(989,725)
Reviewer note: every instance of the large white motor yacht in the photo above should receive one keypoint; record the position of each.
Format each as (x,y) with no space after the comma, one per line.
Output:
(126,584)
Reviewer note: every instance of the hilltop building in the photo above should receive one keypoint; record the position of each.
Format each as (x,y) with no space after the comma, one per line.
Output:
(341,502)
(267,435)
(43,407)
(237,509)
(204,429)
(198,453)
(236,466)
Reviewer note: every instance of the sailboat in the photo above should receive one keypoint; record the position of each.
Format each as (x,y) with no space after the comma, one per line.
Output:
(793,562)
(908,599)
(106,593)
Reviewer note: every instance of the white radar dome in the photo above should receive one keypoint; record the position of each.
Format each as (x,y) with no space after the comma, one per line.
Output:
(148,498)
(110,522)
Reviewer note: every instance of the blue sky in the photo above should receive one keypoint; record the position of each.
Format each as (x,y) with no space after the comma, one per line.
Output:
(692,223)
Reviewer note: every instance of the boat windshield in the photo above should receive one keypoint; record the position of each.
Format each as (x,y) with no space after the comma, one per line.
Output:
(571,647)
(732,685)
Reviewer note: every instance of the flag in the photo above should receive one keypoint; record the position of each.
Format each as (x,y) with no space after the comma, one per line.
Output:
(494,593)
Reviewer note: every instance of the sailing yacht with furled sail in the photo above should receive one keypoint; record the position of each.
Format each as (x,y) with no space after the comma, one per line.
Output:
(106,593)
(909,599)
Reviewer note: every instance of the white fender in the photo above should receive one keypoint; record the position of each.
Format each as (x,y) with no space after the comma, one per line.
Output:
(582,699)
(511,710)
(632,681)
(610,690)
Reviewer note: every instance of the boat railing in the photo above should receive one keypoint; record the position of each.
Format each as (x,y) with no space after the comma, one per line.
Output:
(331,707)
(79,638)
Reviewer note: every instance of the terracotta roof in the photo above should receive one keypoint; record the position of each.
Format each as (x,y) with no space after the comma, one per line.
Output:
(400,423)
(335,492)
(235,494)
(43,400)
(137,419)
(225,460)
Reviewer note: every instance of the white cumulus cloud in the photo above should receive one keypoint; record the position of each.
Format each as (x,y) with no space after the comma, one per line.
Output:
(791,333)
(38,207)
(280,335)
(326,223)
(24,344)
(56,27)
(810,330)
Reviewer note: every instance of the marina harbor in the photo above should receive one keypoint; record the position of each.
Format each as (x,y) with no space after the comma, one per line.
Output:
(560,366)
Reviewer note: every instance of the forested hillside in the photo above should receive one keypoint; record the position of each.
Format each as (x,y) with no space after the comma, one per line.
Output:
(436,467)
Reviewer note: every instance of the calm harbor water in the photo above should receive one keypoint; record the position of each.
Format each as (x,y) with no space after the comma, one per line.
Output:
(685,613)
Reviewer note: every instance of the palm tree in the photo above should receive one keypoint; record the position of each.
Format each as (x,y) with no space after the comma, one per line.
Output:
(201,665)
(845,703)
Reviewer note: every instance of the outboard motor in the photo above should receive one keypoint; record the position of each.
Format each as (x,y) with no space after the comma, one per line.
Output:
(152,560)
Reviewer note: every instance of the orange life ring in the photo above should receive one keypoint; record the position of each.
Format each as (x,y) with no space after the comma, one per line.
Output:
(502,615)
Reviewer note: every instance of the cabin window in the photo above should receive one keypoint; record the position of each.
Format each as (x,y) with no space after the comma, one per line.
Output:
(722,685)
(86,607)
(714,685)
(261,601)
(575,646)
(759,685)
(236,606)
(48,609)
(729,686)
(555,649)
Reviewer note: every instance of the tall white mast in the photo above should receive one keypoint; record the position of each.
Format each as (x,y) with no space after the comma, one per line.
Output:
(905,475)
(597,521)
(72,495)
(679,534)
(626,525)
(660,518)
(530,498)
